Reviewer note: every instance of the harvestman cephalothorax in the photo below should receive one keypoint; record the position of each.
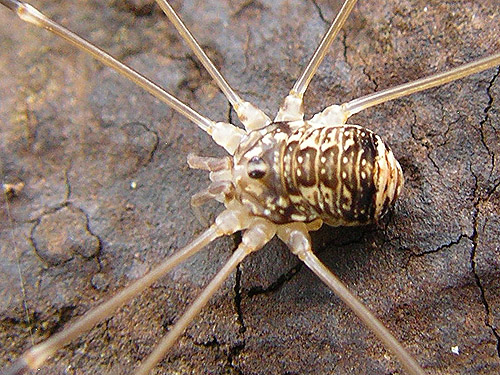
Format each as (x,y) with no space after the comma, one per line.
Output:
(291,112)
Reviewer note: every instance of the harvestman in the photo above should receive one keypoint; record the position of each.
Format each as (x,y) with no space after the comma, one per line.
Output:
(243,210)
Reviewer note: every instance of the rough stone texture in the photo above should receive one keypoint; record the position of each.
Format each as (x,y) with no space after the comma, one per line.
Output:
(78,137)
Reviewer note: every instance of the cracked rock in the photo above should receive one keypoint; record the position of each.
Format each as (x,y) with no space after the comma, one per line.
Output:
(75,132)
(60,235)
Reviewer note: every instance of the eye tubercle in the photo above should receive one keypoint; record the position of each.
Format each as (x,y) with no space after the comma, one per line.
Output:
(256,167)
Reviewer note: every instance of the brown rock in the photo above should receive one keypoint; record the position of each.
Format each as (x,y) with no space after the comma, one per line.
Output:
(79,136)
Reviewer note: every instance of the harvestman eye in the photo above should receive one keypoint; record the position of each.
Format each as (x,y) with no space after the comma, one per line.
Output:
(320,170)
(257,167)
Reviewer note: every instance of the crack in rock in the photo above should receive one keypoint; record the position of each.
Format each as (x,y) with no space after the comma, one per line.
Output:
(58,236)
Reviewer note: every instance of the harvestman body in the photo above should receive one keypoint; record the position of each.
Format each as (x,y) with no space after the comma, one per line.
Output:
(284,177)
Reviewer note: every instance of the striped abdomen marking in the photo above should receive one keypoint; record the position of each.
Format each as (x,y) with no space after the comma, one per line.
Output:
(345,174)
(289,172)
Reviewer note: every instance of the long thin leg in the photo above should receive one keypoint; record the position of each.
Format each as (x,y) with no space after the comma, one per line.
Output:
(254,238)
(357,105)
(228,222)
(297,238)
(338,114)
(224,134)
(370,320)
(292,108)
(36,356)
(250,116)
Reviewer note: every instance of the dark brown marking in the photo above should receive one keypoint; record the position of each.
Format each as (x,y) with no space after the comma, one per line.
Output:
(331,178)
(306,162)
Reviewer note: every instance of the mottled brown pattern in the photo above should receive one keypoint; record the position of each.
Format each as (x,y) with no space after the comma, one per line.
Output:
(337,178)
(316,172)
(307,167)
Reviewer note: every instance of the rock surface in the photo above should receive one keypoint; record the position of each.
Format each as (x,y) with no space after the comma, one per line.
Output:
(107,188)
